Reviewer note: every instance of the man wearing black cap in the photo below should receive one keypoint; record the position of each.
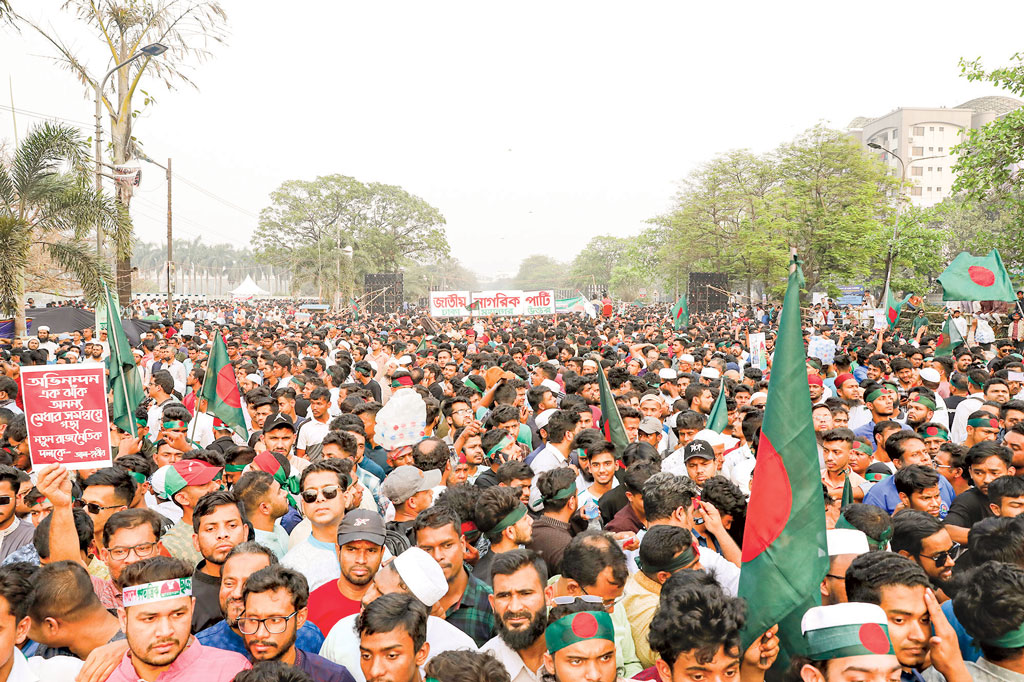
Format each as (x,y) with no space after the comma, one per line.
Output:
(360,549)
(699,458)
(279,436)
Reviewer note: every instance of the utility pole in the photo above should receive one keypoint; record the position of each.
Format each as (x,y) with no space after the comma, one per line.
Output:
(170,256)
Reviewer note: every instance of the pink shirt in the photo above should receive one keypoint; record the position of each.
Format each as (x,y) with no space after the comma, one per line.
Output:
(196,663)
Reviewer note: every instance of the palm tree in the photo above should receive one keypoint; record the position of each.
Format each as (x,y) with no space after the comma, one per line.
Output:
(47,204)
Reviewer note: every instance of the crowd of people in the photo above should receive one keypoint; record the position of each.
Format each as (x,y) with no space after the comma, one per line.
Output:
(512,538)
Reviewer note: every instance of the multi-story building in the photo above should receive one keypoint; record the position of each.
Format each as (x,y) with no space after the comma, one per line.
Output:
(924,138)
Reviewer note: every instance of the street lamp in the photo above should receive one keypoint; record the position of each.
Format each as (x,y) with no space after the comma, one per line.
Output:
(151,50)
(899,206)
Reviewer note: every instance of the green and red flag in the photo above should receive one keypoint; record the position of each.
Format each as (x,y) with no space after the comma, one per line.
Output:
(948,340)
(611,421)
(123,375)
(784,550)
(893,308)
(680,314)
(353,306)
(976,278)
(473,305)
(718,420)
(220,389)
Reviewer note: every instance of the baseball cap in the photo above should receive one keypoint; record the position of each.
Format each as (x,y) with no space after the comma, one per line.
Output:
(361,524)
(698,448)
(277,421)
(171,479)
(421,574)
(650,425)
(543,418)
(405,481)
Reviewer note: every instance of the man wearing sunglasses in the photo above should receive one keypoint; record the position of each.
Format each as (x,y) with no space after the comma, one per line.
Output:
(15,532)
(324,498)
(922,538)
(275,600)
(105,493)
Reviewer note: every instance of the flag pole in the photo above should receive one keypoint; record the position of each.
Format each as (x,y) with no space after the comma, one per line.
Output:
(117,350)
(202,390)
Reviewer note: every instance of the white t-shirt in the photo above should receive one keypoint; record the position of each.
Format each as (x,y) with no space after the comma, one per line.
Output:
(311,433)
(316,560)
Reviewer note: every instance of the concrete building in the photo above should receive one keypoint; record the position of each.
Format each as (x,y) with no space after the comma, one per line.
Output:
(924,137)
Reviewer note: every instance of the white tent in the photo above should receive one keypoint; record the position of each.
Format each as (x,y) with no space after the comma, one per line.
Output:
(248,289)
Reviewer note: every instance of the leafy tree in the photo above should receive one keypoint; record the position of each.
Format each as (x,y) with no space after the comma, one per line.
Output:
(186,27)
(444,274)
(51,210)
(594,264)
(310,222)
(539,272)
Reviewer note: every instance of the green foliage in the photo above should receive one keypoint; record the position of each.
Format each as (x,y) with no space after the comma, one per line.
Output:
(310,222)
(44,207)
(594,264)
(540,272)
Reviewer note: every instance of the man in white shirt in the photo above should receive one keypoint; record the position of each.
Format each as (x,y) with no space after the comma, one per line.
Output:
(520,614)
(313,430)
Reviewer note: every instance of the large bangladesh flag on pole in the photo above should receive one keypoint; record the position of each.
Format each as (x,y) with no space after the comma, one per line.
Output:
(784,551)
(123,378)
(220,388)
(611,421)
(974,278)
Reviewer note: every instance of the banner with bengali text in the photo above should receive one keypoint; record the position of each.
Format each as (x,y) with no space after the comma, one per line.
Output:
(539,302)
(504,302)
(449,303)
(66,415)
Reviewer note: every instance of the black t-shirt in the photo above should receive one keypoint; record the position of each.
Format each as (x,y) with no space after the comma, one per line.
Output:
(206,590)
(952,401)
(487,478)
(968,508)
(611,502)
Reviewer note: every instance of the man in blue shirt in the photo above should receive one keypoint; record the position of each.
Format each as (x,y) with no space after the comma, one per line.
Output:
(244,560)
(906,448)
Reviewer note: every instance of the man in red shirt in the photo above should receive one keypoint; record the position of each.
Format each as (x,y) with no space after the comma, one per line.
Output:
(360,549)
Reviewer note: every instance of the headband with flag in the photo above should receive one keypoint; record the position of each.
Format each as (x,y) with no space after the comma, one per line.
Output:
(175,424)
(235,468)
(935,431)
(854,629)
(881,542)
(984,422)
(685,558)
(578,627)
(562,494)
(499,446)
(926,401)
(134,595)
(399,382)
(874,395)
(864,448)
(1014,639)
(137,477)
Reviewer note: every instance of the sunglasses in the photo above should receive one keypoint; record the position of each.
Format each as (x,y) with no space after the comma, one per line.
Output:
(585,598)
(5,500)
(942,558)
(90,507)
(312,495)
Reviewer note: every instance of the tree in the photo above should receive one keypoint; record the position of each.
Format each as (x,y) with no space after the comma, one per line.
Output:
(441,275)
(48,206)
(185,27)
(539,272)
(593,265)
(310,222)
(832,204)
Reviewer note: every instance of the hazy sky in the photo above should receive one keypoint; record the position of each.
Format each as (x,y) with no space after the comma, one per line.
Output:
(532,126)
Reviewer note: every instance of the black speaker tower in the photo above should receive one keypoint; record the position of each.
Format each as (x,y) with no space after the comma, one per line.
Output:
(390,299)
(702,298)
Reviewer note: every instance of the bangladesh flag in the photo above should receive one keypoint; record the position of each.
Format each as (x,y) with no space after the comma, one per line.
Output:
(473,305)
(784,551)
(948,340)
(611,421)
(680,314)
(123,378)
(718,420)
(353,306)
(893,308)
(220,388)
(972,278)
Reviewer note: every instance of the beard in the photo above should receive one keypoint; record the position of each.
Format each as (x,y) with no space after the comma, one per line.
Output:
(519,639)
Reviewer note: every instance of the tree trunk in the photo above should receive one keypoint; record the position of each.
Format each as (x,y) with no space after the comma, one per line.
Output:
(19,311)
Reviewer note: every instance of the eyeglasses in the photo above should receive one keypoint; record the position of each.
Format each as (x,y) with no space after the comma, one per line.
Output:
(275,625)
(942,558)
(312,495)
(90,507)
(835,577)
(142,551)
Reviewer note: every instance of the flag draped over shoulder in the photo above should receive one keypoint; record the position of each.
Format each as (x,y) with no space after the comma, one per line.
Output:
(680,314)
(220,389)
(784,551)
(948,340)
(611,421)
(123,378)
(976,278)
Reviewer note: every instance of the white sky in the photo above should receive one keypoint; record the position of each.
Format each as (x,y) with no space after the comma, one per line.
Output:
(532,126)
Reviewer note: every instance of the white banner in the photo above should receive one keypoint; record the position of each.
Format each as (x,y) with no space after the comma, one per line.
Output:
(539,302)
(449,303)
(504,302)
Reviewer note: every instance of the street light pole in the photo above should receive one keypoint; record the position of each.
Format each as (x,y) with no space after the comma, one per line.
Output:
(151,50)
(899,206)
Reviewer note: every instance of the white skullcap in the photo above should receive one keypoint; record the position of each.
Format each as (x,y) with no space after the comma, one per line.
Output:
(422,575)
(710,373)
(846,541)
